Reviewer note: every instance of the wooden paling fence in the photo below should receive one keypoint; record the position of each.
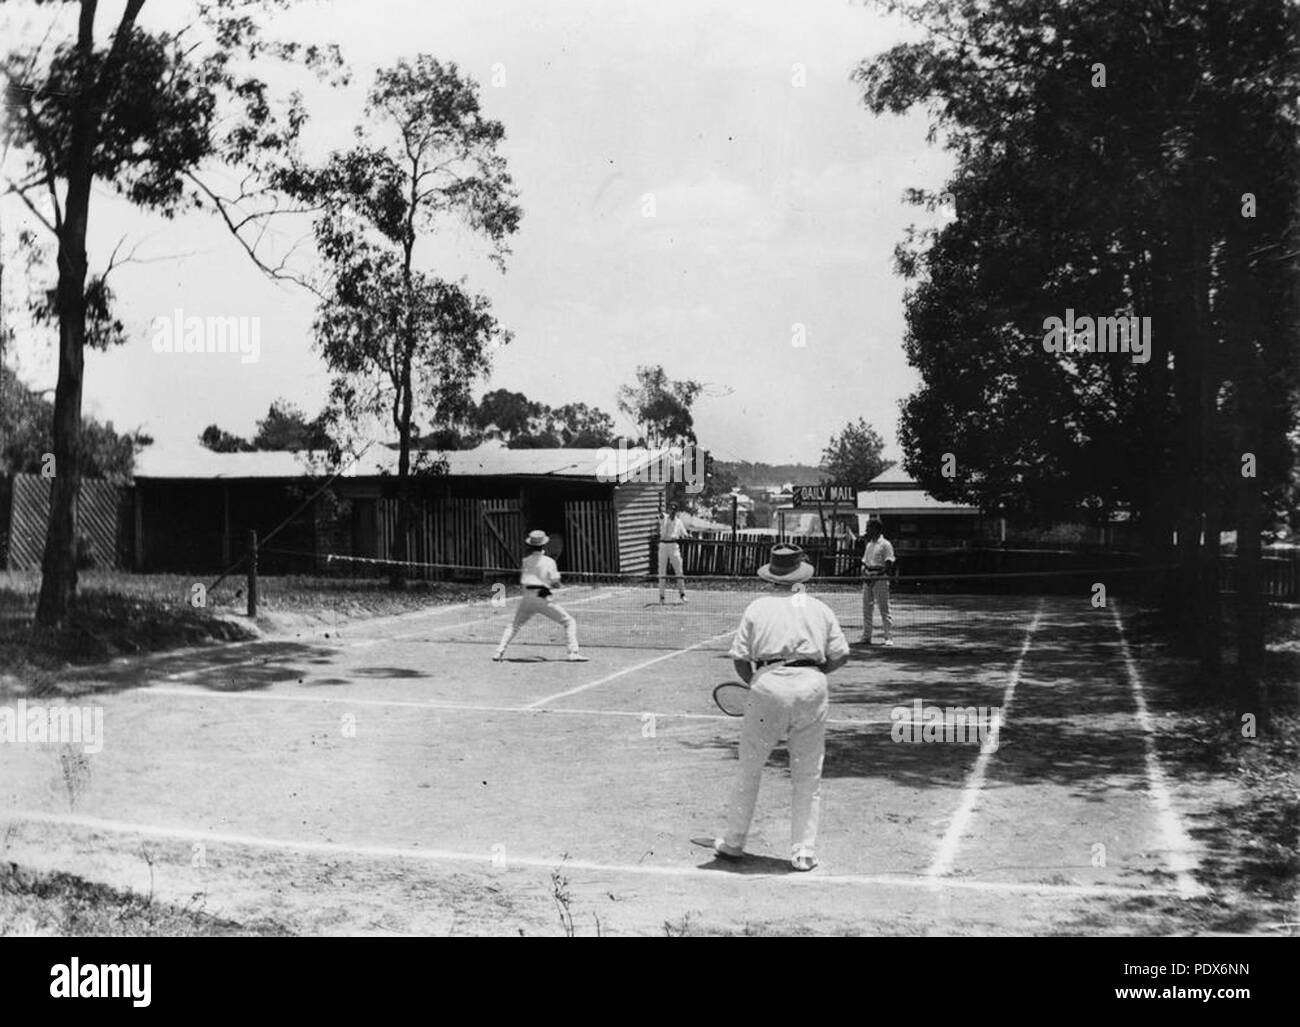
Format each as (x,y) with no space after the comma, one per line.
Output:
(102,515)
(1281,577)
(591,536)
(745,555)
(463,533)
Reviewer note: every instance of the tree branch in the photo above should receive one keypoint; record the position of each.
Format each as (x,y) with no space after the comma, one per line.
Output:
(276,273)
(22,195)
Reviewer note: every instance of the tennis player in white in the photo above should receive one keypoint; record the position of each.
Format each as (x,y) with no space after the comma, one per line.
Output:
(538,576)
(671,532)
(785,646)
(877,566)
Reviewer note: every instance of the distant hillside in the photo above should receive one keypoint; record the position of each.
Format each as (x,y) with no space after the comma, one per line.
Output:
(752,475)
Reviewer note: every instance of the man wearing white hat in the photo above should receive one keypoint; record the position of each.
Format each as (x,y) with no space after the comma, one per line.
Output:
(538,576)
(785,646)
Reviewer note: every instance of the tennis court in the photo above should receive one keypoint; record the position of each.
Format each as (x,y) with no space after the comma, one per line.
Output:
(395,757)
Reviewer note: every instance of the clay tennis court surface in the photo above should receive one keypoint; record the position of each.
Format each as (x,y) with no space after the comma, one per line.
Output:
(385,776)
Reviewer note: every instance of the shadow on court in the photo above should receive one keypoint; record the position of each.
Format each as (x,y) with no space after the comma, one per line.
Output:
(1071,723)
(766,866)
(232,668)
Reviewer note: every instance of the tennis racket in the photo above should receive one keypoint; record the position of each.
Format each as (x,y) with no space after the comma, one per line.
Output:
(732,697)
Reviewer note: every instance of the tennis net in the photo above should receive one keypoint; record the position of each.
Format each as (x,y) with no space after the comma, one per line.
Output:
(956,611)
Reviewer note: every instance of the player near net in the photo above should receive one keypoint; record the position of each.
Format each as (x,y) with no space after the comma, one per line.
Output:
(877,566)
(785,646)
(538,576)
(671,531)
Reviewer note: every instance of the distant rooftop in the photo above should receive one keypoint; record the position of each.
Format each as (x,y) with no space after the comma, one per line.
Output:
(894,477)
(905,501)
(197,462)
(895,492)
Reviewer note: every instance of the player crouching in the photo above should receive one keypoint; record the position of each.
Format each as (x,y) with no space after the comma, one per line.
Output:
(538,576)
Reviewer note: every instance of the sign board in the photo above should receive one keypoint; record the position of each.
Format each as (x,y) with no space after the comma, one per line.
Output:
(821,495)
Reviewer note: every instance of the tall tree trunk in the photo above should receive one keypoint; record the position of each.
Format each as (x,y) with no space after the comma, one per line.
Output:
(1211,640)
(1250,690)
(93,87)
(1250,320)
(59,562)
(1207,622)
(398,574)
(1194,396)
(1158,506)
(401,544)
(1251,693)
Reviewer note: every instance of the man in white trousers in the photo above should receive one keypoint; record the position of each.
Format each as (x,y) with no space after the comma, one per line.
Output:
(538,576)
(785,646)
(671,531)
(877,566)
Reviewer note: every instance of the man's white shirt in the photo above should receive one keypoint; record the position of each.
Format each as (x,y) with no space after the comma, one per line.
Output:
(671,529)
(790,627)
(877,553)
(539,569)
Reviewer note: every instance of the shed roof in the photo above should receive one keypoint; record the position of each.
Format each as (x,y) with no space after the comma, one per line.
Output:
(893,477)
(910,501)
(894,491)
(199,463)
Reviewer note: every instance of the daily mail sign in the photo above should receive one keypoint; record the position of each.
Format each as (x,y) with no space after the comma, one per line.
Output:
(823,495)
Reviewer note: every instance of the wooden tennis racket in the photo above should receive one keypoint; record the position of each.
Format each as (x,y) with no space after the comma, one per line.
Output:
(732,698)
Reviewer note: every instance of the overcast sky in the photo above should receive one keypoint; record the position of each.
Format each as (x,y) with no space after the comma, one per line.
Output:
(775,204)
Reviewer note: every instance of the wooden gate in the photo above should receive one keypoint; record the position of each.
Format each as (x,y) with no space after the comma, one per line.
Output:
(591,536)
(445,537)
(503,533)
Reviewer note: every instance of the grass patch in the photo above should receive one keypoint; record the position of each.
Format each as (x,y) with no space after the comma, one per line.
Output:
(1252,840)
(121,614)
(112,616)
(61,905)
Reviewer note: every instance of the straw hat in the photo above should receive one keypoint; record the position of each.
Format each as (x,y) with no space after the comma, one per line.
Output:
(787,565)
(537,539)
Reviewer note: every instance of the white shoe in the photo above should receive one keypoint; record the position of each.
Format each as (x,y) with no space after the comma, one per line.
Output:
(683,597)
(804,861)
(578,658)
(889,641)
(497,657)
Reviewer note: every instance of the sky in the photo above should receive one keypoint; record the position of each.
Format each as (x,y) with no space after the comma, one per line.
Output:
(776,201)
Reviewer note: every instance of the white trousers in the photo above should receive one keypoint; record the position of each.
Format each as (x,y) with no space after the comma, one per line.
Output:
(784,702)
(670,555)
(875,592)
(531,604)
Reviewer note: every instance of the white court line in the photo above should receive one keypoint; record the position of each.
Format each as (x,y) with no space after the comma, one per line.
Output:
(197,692)
(274,639)
(278,658)
(626,670)
(446,627)
(337,849)
(947,851)
(1175,841)
(286,640)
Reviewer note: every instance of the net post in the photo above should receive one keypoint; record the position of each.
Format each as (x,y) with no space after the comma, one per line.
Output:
(734,539)
(252,573)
